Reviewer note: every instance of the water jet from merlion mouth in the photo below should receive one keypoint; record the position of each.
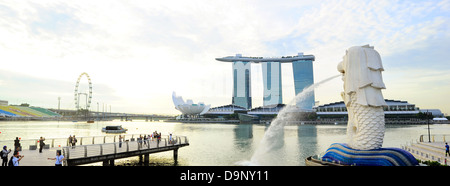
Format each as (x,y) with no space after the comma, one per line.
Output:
(273,138)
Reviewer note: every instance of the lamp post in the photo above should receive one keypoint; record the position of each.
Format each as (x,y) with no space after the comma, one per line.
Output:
(97,112)
(427,115)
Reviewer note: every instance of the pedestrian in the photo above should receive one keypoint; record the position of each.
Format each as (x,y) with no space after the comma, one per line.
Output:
(446,150)
(159,137)
(120,141)
(70,140)
(17,144)
(145,140)
(74,141)
(16,150)
(140,141)
(15,159)
(4,154)
(41,144)
(59,158)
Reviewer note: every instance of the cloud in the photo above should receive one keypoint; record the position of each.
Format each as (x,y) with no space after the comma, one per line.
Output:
(427,88)
(144,50)
(20,88)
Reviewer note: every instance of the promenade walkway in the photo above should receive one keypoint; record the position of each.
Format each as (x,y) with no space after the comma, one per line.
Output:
(432,151)
(96,149)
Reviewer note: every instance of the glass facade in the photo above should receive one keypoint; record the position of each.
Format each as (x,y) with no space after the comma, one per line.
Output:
(271,72)
(242,84)
(304,77)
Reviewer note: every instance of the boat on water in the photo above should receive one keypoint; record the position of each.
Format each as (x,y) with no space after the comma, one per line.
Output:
(114,129)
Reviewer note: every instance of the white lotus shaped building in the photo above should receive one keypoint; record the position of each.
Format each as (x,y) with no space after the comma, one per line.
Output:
(189,107)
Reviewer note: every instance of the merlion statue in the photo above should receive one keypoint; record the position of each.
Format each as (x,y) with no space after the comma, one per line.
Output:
(361,72)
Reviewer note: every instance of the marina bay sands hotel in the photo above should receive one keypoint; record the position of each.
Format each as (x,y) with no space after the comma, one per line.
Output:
(271,70)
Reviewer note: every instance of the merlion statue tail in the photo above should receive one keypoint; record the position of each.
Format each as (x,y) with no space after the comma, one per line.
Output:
(369,132)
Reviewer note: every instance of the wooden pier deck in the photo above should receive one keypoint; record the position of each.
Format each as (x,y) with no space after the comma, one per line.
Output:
(97,149)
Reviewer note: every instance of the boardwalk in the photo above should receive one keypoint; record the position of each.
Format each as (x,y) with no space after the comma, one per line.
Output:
(433,150)
(97,149)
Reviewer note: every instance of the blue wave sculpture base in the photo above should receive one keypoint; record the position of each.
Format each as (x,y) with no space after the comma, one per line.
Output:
(340,152)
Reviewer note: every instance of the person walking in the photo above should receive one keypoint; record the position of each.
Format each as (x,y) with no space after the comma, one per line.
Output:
(446,149)
(4,154)
(59,158)
(41,144)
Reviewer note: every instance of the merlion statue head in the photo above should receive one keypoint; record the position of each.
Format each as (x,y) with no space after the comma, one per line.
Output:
(361,72)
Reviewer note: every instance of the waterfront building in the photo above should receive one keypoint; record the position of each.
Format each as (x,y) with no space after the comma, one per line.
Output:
(3,103)
(396,112)
(225,110)
(304,77)
(266,110)
(242,84)
(272,83)
(394,109)
(189,108)
(271,71)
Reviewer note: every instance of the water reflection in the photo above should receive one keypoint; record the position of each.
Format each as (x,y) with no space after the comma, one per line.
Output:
(243,135)
(222,144)
(307,140)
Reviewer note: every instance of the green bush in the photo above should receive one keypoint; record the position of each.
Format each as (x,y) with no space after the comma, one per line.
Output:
(430,163)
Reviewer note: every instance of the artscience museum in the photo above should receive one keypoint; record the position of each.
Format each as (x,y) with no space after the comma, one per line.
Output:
(189,108)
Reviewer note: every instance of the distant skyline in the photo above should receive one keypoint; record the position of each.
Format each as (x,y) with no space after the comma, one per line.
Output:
(138,52)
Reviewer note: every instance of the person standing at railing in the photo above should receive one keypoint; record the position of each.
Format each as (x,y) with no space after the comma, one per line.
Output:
(120,141)
(159,137)
(74,141)
(140,141)
(70,140)
(4,154)
(446,150)
(145,140)
(41,144)
(17,144)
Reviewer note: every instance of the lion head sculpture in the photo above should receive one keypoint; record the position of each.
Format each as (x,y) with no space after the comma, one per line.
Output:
(361,69)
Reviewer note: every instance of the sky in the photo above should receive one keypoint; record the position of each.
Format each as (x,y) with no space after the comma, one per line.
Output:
(138,52)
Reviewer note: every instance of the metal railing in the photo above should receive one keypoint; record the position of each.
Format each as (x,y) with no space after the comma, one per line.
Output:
(26,144)
(434,138)
(424,155)
(131,144)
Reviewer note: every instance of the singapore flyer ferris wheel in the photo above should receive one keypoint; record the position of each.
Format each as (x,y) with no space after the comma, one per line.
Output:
(88,94)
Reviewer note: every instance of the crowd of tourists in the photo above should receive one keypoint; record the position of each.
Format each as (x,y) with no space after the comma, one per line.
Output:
(142,140)
(16,157)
